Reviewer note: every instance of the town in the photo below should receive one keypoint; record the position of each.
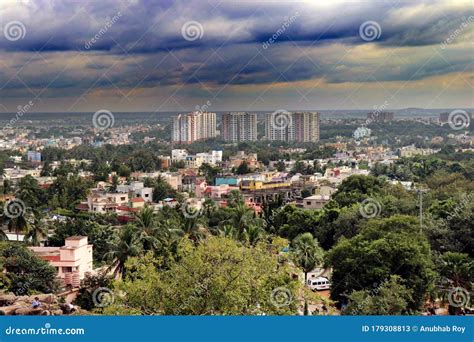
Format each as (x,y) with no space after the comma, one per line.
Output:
(125,208)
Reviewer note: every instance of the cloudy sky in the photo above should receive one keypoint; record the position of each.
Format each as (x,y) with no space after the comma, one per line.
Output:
(72,56)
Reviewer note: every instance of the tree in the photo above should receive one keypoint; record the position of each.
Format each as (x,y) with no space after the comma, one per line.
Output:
(389,298)
(383,247)
(127,244)
(216,277)
(30,192)
(243,168)
(27,272)
(37,230)
(306,253)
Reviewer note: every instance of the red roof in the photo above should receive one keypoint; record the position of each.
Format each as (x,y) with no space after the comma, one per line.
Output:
(137,199)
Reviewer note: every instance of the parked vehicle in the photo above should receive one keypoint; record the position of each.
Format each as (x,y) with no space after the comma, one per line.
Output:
(319,283)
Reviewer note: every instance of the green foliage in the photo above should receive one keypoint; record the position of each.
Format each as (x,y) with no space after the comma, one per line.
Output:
(390,298)
(218,277)
(26,272)
(90,284)
(101,236)
(391,246)
(306,252)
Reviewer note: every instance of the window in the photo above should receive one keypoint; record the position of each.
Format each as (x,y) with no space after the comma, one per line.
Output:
(122,198)
(146,195)
(67,269)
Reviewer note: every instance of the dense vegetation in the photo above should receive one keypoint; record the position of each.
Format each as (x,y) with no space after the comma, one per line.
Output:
(230,261)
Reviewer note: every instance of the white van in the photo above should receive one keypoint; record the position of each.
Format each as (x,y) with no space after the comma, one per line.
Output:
(319,283)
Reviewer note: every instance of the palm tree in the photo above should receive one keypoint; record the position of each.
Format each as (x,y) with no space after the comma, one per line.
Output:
(37,230)
(254,234)
(241,216)
(126,245)
(307,253)
(18,224)
(146,222)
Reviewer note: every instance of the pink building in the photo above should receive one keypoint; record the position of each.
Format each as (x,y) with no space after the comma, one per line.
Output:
(72,260)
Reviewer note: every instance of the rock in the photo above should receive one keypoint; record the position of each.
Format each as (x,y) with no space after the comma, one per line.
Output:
(7,299)
(28,311)
(45,313)
(57,312)
(44,298)
(10,310)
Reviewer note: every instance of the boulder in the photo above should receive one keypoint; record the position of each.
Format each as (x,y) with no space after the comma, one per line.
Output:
(10,310)
(28,311)
(44,298)
(7,299)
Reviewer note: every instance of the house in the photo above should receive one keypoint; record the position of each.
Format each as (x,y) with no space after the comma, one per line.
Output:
(72,261)
(136,190)
(315,201)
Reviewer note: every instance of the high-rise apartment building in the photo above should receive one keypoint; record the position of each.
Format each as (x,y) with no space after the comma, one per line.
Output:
(191,127)
(306,126)
(379,116)
(285,126)
(241,126)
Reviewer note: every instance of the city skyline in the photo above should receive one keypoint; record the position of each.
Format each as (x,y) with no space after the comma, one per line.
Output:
(175,56)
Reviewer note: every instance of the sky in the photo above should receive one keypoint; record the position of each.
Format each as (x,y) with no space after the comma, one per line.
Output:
(160,56)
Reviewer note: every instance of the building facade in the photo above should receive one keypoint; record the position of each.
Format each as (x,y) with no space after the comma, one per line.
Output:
(72,261)
(299,126)
(240,126)
(194,126)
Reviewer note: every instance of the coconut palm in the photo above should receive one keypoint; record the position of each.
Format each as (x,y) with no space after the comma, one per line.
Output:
(306,253)
(126,245)
(146,223)
(37,230)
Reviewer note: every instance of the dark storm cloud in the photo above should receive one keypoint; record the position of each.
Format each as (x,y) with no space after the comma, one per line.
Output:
(140,41)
